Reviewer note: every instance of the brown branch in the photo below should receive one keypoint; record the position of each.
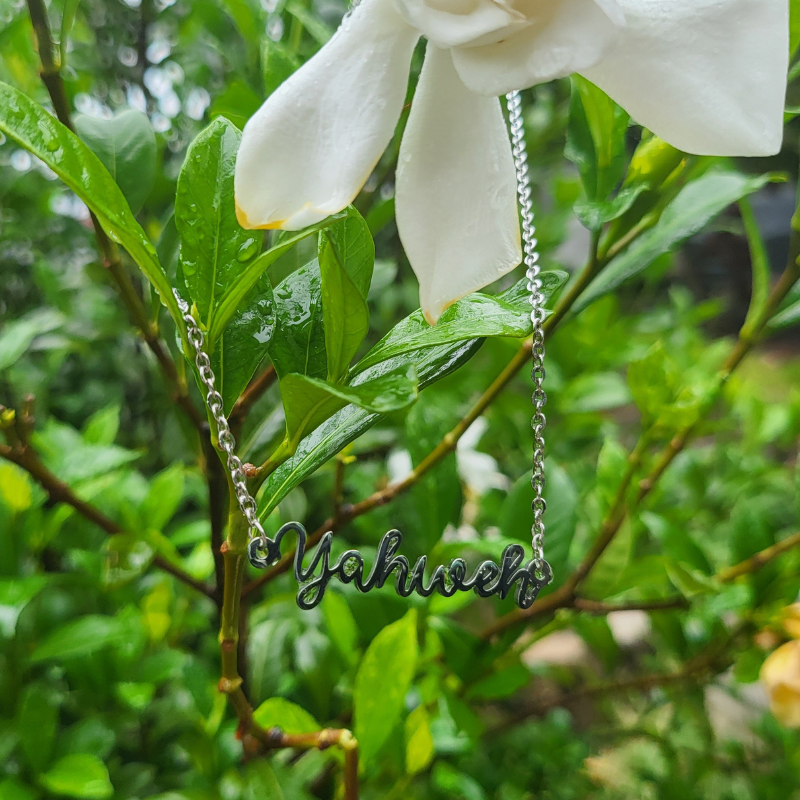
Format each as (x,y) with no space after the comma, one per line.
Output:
(250,396)
(60,492)
(599,608)
(756,562)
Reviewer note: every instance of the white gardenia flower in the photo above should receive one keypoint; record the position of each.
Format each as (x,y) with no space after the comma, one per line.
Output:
(708,76)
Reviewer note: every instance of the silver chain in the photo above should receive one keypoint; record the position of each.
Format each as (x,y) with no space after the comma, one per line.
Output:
(539,398)
(214,400)
(224,436)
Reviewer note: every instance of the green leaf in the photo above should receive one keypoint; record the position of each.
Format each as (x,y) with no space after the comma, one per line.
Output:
(290,718)
(594,391)
(694,207)
(419,741)
(12,789)
(37,723)
(298,344)
(102,427)
(80,775)
(378,702)
(214,247)
(164,497)
(341,626)
(126,144)
(596,138)
(28,124)
(346,260)
(250,275)
(606,573)
(81,637)
(15,488)
(759,261)
(330,438)
(502,683)
(437,497)
(316,27)
(244,343)
(277,64)
(475,315)
(18,334)
(612,464)
(308,402)
(688,581)
(452,783)
(653,381)
(594,214)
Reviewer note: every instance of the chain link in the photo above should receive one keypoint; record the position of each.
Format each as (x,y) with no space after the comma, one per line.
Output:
(224,436)
(539,398)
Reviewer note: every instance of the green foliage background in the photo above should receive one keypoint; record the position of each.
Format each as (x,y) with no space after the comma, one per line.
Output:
(673,421)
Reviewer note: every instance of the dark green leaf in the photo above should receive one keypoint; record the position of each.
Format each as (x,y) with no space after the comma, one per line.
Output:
(28,124)
(475,315)
(308,402)
(759,261)
(378,702)
(653,381)
(37,723)
(126,145)
(596,138)
(593,214)
(214,247)
(244,342)
(298,344)
(249,276)
(80,775)
(695,206)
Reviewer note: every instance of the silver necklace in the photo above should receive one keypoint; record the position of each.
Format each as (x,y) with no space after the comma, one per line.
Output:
(489,578)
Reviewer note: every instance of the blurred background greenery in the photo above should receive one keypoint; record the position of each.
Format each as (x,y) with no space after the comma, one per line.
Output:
(644,684)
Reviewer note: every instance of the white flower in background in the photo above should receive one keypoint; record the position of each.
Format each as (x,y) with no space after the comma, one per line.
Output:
(478,471)
(708,76)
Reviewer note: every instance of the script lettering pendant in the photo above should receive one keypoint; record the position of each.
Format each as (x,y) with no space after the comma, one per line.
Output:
(488,578)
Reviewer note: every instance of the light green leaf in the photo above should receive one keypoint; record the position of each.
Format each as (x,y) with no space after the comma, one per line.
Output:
(594,391)
(419,741)
(28,124)
(695,206)
(653,381)
(315,26)
(15,488)
(277,64)
(17,335)
(378,702)
(308,402)
(593,214)
(341,626)
(126,144)
(214,247)
(80,775)
(606,573)
(164,497)
(289,717)
(477,315)
(81,637)
(102,427)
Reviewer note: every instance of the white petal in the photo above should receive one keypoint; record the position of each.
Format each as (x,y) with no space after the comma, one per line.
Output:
(456,193)
(448,23)
(563,37)
(310,148)
(708,76)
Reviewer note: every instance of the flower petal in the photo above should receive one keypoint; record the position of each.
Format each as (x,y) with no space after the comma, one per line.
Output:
(456,188)
(563,37)
(309,149)
(708,76)
(448,23)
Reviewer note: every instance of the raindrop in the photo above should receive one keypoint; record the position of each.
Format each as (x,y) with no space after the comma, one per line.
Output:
(247,250)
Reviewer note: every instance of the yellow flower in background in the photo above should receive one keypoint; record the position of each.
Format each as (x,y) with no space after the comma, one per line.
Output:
(780,674)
